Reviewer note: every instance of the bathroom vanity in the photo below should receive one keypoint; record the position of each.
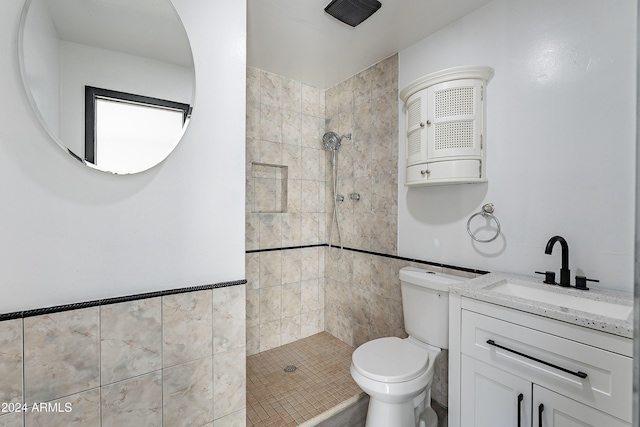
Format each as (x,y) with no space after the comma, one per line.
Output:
(523,353)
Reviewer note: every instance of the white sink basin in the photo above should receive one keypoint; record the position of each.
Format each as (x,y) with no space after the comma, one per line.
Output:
(570,300)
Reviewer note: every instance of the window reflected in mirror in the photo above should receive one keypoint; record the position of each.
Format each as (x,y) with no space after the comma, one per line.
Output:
(127,133)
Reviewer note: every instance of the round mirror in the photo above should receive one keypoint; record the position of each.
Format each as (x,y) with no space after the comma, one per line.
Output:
(112,81)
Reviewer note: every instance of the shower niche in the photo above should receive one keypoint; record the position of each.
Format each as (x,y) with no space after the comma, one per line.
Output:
(268,188)
(445,123)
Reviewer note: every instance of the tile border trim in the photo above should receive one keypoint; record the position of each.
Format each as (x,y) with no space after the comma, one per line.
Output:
(115,300)
(419,261)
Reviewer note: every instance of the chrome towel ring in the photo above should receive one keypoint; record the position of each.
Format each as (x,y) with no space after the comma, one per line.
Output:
(487,212)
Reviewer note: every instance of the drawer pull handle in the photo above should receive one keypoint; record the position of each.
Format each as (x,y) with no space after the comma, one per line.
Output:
(540,409)
(577,374)
(520,398)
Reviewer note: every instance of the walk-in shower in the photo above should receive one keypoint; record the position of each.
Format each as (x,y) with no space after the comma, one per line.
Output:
(331,142)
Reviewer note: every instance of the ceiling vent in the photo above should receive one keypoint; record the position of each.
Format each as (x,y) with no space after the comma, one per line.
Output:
(352,12)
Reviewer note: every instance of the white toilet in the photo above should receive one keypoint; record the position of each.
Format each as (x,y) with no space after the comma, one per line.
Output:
(397,373)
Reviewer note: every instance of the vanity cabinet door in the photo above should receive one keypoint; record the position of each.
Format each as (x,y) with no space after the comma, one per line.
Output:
(560,411)
(491,397)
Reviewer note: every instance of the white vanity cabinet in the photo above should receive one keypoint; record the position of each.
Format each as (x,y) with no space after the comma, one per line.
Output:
(511,368)
(445,136)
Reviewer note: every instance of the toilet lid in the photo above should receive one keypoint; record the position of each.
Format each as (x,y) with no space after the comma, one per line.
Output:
(390,360)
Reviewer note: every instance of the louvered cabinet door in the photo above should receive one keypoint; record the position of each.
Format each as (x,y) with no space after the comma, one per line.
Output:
(417,128)
(455,119)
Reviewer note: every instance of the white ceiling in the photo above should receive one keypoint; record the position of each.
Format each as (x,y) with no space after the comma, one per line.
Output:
(147,28)
(297,39)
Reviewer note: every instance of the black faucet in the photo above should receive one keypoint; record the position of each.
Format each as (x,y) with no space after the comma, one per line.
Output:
(564,271)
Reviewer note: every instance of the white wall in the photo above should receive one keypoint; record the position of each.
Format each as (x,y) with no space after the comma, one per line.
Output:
(561,140)
(69,233)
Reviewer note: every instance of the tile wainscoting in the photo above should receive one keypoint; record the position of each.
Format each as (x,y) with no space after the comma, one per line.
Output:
(355,298)
(170,358)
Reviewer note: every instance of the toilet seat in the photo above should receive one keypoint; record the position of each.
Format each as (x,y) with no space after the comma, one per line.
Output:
(390,360)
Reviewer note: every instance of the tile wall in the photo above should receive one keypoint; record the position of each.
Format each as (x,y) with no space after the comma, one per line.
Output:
(294,293)
(285,289)
(366,105)
(174,360)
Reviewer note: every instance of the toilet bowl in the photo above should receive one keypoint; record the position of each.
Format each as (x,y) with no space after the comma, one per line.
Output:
(397,373)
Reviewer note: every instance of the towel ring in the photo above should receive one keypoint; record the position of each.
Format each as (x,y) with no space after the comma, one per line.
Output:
(487,212)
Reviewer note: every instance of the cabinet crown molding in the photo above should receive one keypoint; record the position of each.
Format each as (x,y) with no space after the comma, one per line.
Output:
(481,72)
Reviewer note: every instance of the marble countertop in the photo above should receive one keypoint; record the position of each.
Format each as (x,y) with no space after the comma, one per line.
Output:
(481,287)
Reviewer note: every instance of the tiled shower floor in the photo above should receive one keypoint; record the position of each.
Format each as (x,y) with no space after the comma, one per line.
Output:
(319,387)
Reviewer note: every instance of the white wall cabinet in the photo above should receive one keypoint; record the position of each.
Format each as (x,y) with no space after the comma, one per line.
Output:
(566,375)
(445,116)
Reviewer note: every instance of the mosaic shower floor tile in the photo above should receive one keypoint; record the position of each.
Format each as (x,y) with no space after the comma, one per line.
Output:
(319,386)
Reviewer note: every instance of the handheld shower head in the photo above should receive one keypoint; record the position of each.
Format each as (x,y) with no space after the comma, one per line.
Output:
(331,141)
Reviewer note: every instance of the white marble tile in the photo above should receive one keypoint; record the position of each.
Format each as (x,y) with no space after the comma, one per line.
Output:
(131,339)
(310,263)
(270,230)
(11,419)
(253,340)
(229,382)
(229,318)
(77,410)
(312,130)
(187,322)
(252,270)
(136,402)
(188,393)
(11,361)
(291,231)
(291,330)
(270,124)
(310,323)
(253,120)
(253,307)
(270,303)
(292,159)
(270,335)
(310,226)
(61,354)
(252,231)
(270,268)
(291,266)
(291,300)
(270,89)
(291,127)
(311,103)
(236,419)
(291,95)
(309,295)
(253,84)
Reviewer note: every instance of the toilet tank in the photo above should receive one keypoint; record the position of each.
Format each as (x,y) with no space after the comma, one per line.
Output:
(425,302)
